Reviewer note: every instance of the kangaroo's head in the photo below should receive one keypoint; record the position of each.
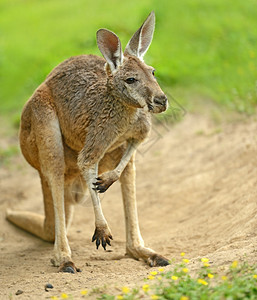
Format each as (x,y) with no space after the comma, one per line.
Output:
(130,78)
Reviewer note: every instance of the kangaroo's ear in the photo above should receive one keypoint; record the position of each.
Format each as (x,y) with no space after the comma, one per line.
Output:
(110,46)
(142,38)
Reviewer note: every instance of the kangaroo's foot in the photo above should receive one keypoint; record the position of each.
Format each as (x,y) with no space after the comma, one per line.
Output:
(102,236)
(148,255)
(156,260)
(68,267)
(34,223)
(105,180)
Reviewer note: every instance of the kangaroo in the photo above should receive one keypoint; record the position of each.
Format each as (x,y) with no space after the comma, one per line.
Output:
(80,130)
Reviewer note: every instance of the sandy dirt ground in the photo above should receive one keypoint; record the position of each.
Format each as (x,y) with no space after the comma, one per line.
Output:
(196,191)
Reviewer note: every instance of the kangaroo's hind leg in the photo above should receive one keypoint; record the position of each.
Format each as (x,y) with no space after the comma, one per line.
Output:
(42,146)
(134,241)
(52,166)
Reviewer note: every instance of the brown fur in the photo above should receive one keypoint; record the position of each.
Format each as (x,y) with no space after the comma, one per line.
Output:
(85,120)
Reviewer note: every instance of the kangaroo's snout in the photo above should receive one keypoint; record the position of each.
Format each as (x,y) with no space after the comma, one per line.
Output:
(160,100)
(160,103)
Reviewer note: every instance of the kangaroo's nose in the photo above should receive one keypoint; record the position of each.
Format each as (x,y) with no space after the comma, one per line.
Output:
(160,100)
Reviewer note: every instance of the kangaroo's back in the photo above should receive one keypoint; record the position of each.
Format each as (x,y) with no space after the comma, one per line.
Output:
(73,81)
(92,65)
(77,87)
(73,91)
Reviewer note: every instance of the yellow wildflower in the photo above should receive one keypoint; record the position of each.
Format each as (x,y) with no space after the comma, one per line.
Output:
(84,292)
(64,296)
(224,278)
(119,297)
(185,270)
(153,273)
(206,265)
(182,253)
(161,270)
(234,264)
(255,276)
(205,260)
(145,287)
(54,298)
(185,260)
(159,278)
(184,298)
(210,275)
(155,297)
(125,290)
(174,278)
(151,277)
(201,281)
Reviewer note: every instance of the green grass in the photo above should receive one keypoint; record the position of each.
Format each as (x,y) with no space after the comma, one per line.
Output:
(7,154)
(237,281)
(201,49)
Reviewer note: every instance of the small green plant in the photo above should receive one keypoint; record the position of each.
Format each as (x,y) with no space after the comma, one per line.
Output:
(239,282)
(83,294)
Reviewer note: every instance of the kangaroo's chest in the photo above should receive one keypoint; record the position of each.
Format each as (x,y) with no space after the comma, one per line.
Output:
(138,129)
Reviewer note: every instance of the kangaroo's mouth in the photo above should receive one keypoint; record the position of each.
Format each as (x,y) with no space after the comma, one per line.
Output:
(150,107)
(156,109)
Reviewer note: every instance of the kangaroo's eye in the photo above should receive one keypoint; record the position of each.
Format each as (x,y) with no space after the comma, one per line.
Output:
(130,80)
(153,72)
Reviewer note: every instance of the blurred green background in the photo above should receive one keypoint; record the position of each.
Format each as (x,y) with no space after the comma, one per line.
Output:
(201,49)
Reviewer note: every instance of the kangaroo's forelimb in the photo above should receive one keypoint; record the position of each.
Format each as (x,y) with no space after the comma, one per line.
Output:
(108,178)
(102,234)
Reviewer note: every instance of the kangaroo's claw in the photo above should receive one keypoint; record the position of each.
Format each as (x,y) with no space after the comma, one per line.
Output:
(69,267)
(157,260)
(102,236)
(101,186)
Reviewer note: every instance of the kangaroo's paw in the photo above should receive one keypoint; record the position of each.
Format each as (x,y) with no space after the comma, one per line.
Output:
(68,267)
(102,236)
(105,181)
(148,255)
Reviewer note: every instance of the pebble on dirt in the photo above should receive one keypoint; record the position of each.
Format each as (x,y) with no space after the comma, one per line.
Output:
(48,286)
(19,292)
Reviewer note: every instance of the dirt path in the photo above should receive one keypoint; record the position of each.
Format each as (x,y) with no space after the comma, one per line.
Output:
(196,189)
